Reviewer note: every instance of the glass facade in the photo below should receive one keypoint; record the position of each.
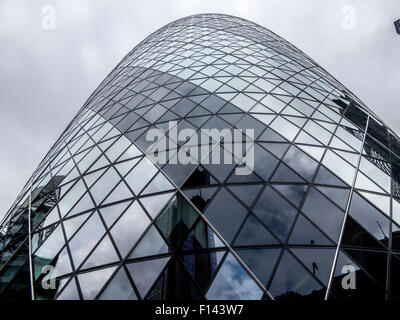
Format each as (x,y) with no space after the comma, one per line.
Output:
(106,222)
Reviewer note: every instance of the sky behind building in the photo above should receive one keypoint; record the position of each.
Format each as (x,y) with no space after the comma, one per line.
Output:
(55,53)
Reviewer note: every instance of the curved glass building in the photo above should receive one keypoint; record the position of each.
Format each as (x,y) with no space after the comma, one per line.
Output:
(316,216)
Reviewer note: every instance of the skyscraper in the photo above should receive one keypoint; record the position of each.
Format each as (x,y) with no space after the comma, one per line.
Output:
(106,221)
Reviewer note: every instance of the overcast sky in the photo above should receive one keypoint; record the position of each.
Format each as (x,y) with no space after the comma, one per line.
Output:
(47,74)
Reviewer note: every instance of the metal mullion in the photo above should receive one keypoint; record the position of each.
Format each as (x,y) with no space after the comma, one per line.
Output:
(328,291)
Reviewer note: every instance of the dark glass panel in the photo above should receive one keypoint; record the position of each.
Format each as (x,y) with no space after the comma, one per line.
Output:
(260,261)
(324,214)
(233,283)
(305,233)
(92,282)
(294,193)
(370,219)
(318,261)
(292,282)
(119,288)
(246,193)
(200,197)
(275,212)
(326,177)
(300,162)
(145,273)
(175,283)
(286,175)
(253,233)
(176,220)
(225,208)
(365,287)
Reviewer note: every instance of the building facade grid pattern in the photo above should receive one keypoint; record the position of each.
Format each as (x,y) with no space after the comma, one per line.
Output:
(115,225)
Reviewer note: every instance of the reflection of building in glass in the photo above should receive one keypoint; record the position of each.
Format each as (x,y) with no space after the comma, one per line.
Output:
(324,192)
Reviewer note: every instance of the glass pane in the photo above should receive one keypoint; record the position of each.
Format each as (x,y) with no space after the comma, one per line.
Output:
(292,281)
(92,282)
(140,175)
(119,288)
(324,214)
(260,261)
(222,209)
(86,238)
(275,212)
(145,273)
(129,228)
(151,244)
(233,283)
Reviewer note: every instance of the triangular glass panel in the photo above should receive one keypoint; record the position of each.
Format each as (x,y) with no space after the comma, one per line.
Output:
(305,233)
(300,162)
(277,149)
(129,228)
(254,234)
(270,135)
(111,213)
(275,212)
(202,265)
(246,193)
(86,239)
(234,178)
(153,204)
(173,288)
(84,204)
(264,162)
(338,195)
(260,261)
(363,182)
(285,174)
(92,282)
(264,118)
(229,108)
(92,177)
(145,273)
(229,283)
(103,254)
(370,218)
(71,225)
(159,184)
(124,167)
(304,137)
(176,220)
(318,261)
(327,216)
(294,193)
(121,192)
(151,244)
(119,288)
(103,186)
(225,208)
(70,292)
(315,152)
(201,237)
(291,280)
(100,163)
(51,217)
(200,197)
(62,264)
(325,177)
